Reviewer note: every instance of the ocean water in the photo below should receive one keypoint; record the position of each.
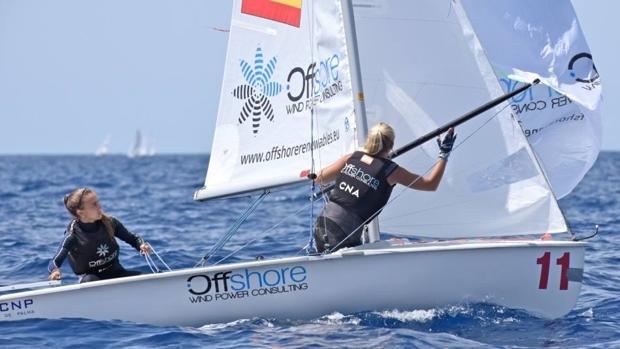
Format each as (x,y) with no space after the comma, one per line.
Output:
(152,197)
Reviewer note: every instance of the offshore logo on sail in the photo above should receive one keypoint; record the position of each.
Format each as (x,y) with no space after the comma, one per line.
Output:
(316,84)
(581,68)
(590,80)
(257,90)
(228,285)
(306,88)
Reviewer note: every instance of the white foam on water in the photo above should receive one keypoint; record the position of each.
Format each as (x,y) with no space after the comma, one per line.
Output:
(214,328)
(588,314)
(507,320)
(223,325)
(419,315)
(337,318)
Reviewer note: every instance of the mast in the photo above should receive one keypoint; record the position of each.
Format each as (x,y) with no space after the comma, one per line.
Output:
(358,92)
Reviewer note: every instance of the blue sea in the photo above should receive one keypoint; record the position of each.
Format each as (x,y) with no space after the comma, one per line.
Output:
(153,197)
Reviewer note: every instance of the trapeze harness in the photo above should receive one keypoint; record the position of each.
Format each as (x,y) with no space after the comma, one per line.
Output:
(93,253)
(360,193)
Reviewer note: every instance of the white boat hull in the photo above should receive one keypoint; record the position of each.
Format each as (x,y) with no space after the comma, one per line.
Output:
(386,276)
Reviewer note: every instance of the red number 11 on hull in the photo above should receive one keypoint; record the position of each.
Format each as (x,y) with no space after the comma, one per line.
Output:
(545,262)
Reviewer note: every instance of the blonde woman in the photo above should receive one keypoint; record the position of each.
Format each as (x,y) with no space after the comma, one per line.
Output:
(364,182)
(90,241)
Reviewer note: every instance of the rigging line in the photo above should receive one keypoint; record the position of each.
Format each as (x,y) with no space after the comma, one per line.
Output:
(321,165)
(233,229)
(262,235)
(159,257)
(308,246)
(402,191)
(235,226)
(324,198)
(151,265)
(312,185)
(154,264)
(313,120)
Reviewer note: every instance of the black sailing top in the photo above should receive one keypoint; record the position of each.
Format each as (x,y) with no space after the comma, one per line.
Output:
(362,188)
(90,247)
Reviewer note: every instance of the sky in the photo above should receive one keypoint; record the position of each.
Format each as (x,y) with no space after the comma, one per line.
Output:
(75,72)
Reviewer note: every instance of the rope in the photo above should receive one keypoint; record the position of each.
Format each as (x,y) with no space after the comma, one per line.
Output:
(575,238)
(151,263)
(233,229)
(262,235)
(158,257)
(402,191)
(309,245)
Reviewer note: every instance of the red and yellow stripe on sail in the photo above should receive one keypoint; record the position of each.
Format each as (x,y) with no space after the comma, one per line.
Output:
(284,11)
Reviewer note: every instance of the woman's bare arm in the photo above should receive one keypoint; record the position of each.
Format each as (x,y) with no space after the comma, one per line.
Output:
(429,182)
(330,172)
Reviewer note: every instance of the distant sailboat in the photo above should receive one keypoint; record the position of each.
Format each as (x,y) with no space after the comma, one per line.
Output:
(104,148)
(141,147)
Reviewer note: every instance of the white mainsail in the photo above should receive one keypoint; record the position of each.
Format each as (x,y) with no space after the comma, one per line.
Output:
(420,72)
(561,118)
(276,75)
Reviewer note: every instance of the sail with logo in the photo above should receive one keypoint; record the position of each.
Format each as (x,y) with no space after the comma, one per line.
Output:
(301,79)
(562,117)
(286,95)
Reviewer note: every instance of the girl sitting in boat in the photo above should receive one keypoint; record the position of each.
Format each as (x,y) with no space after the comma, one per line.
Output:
(90,241)
(364,182)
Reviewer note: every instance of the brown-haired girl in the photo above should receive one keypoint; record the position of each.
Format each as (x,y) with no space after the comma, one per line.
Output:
(90,241)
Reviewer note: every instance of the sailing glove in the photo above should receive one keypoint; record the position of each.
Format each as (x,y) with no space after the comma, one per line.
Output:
(446,144)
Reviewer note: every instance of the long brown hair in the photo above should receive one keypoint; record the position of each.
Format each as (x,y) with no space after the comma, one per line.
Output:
(73,202)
